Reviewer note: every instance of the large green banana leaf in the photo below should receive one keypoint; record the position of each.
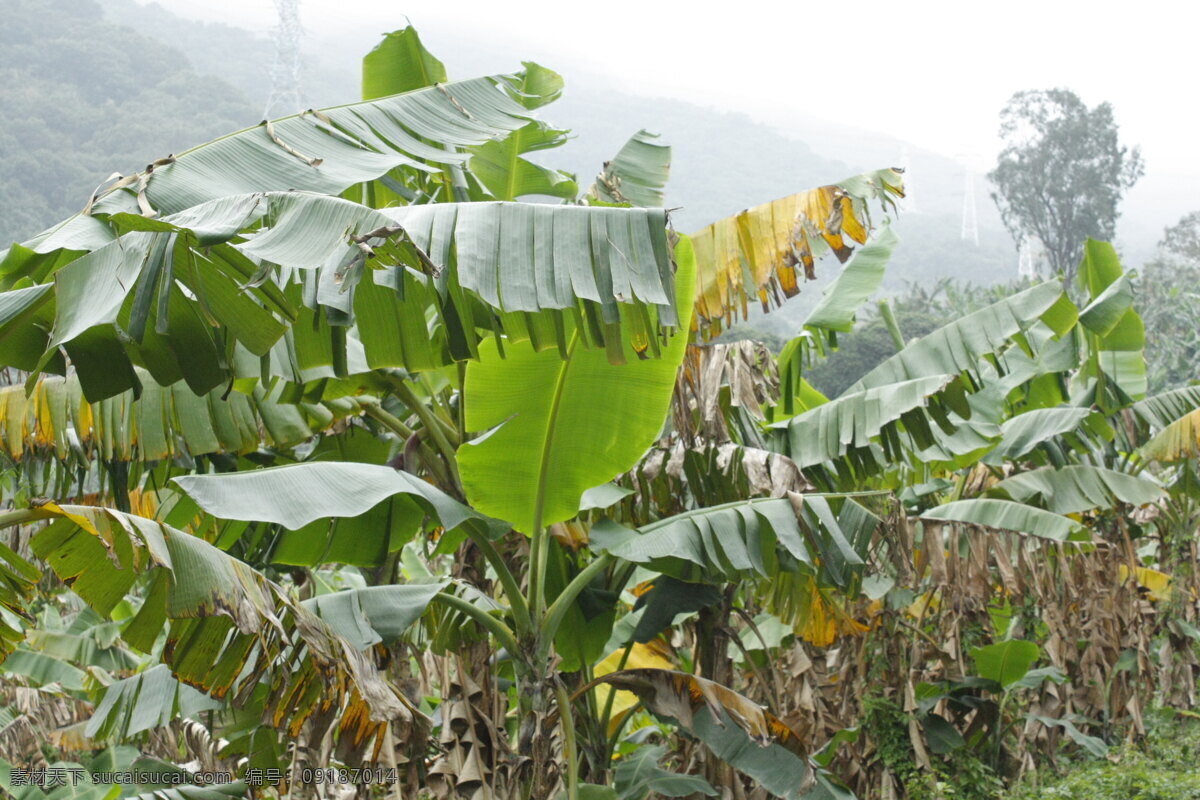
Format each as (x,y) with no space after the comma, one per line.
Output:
(555,427)
(143,701)
(41,669)
(1021,434)
(1173,420)
(329,151)
(852,423)
(732,541)
(746,539)
(376,614)
(959,346)
(1161,410)
(735,728)
(165,421)
(415,286)
(1177,441)
(374,509)
(638,776)
(637,174)
(500,165)
(1118,335)
(833,314)
(1079,487)
(1010,516)
(400,63)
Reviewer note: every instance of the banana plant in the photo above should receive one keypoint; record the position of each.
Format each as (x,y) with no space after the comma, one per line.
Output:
(367,267)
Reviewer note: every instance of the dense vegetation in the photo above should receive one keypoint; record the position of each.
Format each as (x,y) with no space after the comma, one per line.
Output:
(331,449)
(84,98)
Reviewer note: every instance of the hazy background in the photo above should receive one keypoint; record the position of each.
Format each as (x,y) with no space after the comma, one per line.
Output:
(758,100)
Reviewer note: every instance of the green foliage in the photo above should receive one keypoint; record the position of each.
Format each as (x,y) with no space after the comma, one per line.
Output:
(336,637)
(1161,767)
(919,310)
(1167,295)
(1062,172)
(1182,240)
(960,775)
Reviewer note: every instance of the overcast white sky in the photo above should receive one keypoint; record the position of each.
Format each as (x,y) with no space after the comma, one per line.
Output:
(933,72)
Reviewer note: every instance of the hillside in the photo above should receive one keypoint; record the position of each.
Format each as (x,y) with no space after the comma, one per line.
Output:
(82,98)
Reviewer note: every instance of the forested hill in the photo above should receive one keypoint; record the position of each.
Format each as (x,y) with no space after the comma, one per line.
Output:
(82,98)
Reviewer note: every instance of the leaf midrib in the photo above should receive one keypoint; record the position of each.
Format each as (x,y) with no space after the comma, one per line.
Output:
(548,440)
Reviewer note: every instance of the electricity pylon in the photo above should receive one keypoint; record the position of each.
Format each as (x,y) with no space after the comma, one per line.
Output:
(970,222)
(285,95)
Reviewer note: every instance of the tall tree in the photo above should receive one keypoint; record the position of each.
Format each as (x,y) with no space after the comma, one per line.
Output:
(1181,241)
(1062,172)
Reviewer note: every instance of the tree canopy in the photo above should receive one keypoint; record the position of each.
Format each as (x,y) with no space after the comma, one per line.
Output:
(1062,172)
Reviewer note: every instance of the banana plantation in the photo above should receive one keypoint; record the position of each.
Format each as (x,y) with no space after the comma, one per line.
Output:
(363,454)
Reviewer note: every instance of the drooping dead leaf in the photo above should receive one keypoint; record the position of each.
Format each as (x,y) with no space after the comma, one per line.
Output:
(758,251)
(679,695)
(651,655)
(229,627)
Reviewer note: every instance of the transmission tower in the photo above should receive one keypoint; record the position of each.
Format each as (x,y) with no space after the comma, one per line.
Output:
(970,223)
(285,95)
(1029,253)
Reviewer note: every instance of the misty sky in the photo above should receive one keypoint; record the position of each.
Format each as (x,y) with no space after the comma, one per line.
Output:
(934,73)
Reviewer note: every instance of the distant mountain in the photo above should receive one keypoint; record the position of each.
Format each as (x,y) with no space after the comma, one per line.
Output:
(129,82)
(82,98)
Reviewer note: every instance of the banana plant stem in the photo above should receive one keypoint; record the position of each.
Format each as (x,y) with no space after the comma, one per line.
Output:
(428,457)
(497,628)
(568,728)
(558,609)
(512,589)
(537,571)
(20,516)
(434,425)
(389,421)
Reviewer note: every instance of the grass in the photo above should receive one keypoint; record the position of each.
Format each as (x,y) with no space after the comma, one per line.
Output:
(1164,765)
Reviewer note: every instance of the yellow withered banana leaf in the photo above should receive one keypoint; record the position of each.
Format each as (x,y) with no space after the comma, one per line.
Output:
(760,250)
(735,728)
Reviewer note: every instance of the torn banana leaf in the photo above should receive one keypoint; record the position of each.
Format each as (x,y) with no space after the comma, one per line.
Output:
(1076,488)
(961,345)
(307,287)
(1161,410)
(330,150)
(847,429)
(1177,441)
(1118,335)
(762,251)
(55,420)
(144,701)
(229,627)
(747,539)
(637,174)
